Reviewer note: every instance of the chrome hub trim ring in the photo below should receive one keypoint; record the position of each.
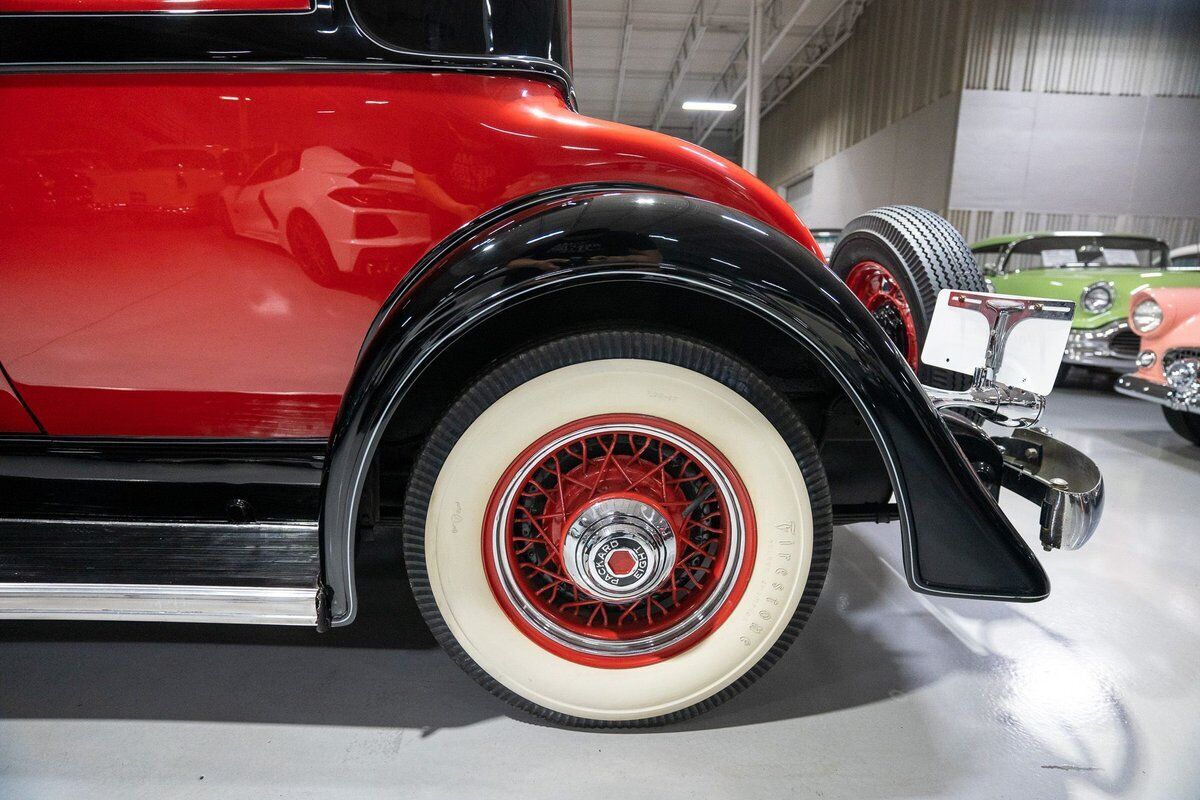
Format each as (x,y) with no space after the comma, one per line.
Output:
(619,549)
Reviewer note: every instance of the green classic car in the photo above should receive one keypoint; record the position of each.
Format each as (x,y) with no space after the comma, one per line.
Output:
(1099,271)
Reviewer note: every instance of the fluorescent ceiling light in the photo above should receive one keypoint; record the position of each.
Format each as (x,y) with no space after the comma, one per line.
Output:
(707,105)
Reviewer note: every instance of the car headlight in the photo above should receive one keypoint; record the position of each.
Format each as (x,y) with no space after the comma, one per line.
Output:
(1146,317)
(1098,298)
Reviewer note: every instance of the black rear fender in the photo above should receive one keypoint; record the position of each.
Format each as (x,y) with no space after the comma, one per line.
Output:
(555,263)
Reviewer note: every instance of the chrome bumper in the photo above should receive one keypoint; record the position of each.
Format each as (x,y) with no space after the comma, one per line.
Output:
(1063,481)
(1094,348)
(1160,393)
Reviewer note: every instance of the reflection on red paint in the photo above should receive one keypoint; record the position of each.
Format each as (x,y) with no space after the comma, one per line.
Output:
(253,415)
(202,255)
(328,207)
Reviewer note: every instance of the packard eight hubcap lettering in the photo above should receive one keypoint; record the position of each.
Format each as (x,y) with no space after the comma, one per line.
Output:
(619,549)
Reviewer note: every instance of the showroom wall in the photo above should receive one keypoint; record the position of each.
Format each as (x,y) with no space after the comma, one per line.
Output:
(1039,97)
(1052,90)
(904,162)
(904,55)
(1044,161)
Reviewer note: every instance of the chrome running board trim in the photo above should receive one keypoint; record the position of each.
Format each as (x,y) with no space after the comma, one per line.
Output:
(159,603)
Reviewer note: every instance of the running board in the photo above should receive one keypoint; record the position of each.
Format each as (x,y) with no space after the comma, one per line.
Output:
(159,603)
(135,553)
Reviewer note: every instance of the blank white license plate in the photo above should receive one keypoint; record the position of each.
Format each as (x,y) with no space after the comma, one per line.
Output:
(958,340)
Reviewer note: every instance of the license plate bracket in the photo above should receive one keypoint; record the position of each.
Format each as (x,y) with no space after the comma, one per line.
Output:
(1020,339)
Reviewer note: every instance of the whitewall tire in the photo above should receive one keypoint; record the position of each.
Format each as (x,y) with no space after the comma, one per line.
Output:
(618,528)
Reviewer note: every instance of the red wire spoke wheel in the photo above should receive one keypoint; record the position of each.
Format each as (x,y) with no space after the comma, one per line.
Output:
(618,540)
(883,296)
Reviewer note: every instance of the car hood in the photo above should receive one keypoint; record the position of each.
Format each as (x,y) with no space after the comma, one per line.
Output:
(1069,283)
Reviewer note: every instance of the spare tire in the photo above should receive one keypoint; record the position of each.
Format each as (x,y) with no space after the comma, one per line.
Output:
(896,259)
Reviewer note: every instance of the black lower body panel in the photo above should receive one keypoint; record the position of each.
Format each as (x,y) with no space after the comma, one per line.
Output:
(195,554)
(160,512)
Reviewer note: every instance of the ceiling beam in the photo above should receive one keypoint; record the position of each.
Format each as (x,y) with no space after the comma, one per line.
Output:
(652,21)
(782,84)
(733,79)
(821,44)
(779,32)
(724,89)
(814,49)
(697,25)
(639,74)
(625,37)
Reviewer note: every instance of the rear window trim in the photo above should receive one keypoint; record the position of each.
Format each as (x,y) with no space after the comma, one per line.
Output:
(109,9)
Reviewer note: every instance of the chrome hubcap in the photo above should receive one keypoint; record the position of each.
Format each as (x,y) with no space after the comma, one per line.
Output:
(619,549)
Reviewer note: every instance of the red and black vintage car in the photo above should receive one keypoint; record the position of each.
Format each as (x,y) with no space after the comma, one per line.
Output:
(295,272)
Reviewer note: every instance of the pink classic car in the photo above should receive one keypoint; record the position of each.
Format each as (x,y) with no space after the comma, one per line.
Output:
(1168,373)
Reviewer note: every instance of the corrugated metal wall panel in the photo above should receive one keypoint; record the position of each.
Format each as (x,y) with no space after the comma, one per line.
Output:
(1120,47)
(1093,47)
(976,224)
(903,55)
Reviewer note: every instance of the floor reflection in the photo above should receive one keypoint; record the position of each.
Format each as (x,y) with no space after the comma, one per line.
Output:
(1093,692)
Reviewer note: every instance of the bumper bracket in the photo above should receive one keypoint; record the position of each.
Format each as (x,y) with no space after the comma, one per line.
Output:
(1066,483)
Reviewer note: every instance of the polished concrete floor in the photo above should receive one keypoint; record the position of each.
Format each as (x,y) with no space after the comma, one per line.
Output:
(1094,693)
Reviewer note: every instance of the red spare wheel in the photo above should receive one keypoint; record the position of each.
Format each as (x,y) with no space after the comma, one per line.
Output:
(895,260)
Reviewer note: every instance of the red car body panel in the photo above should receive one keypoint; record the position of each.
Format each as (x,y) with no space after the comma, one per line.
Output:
(118,323)
(13,416)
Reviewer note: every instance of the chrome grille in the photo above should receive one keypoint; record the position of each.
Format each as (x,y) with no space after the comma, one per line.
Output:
(1178,354)
(1126,343)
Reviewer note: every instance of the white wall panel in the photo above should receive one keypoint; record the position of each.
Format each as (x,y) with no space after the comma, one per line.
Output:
(925,143)
(908,162)
(1167,180)
(991,160)
(1083,153)
(1077,160)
